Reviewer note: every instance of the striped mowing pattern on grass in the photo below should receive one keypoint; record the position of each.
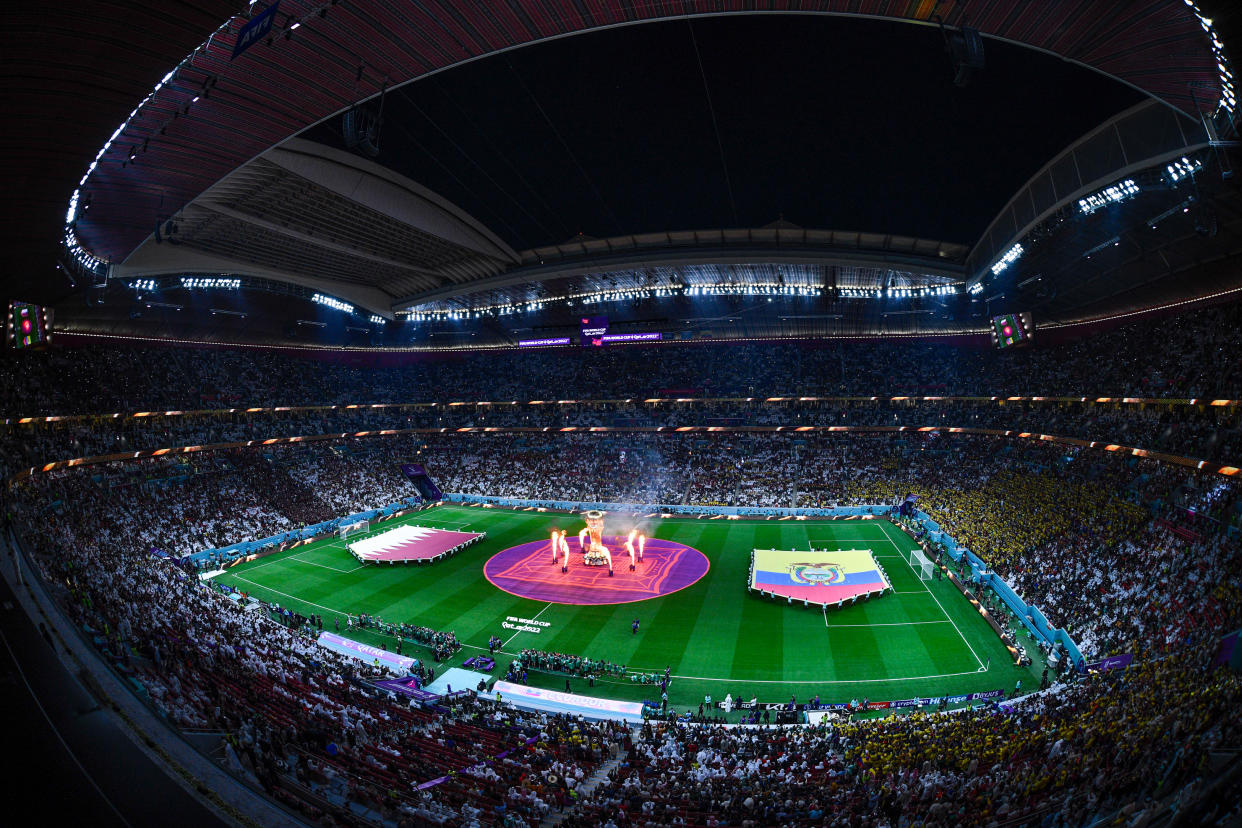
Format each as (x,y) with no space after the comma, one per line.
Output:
(921,639)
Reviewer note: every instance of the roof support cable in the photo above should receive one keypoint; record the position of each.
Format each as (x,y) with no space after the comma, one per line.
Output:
(724,165)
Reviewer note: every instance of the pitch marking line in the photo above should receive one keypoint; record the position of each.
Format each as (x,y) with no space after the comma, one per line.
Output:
(267,563)
(817,681)
(322,607)
(982,666)
(299,559)
(637,670)
(887,624)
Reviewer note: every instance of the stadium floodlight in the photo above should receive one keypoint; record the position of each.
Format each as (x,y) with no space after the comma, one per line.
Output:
(1182,168)
(975,289)
(80,254)
(378,320)
(1113,194)
(335,304)
(1227,99)
(920,564)
(210,283)
(1011,256)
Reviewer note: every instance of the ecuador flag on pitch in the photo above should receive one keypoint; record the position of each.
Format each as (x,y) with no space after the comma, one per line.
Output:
(821,577)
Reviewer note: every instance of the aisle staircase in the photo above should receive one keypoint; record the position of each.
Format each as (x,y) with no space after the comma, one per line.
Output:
(584,789)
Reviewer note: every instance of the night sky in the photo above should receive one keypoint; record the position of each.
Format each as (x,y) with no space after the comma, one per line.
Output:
(832,123)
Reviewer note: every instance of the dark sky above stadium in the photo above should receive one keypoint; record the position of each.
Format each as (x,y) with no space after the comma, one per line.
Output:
(831,123)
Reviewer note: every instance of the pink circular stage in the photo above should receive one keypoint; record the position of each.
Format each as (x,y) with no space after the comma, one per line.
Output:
(527,571)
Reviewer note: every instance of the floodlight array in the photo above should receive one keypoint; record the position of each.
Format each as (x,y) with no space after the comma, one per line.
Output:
(210,283)
(1182,168)
(1228,98)
(907,292)
(335,304)
(1109,195)
(80,254)
(759,289)
(626,295)
(1011,255)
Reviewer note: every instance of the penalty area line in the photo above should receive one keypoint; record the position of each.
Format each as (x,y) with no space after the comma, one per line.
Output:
(960,634)
(302,560)
(819,681)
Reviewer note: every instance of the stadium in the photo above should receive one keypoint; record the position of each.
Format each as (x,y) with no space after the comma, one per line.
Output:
(535,413)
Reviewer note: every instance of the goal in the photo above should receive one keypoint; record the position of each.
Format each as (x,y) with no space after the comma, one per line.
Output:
(358,527)
(920,564)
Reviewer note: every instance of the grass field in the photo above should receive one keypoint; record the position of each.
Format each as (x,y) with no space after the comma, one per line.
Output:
(922,639)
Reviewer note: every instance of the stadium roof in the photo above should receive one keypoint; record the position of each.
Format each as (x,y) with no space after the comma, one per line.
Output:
(191,151)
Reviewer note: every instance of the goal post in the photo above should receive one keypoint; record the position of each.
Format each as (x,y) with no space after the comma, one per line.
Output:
(921,564)
(357,527)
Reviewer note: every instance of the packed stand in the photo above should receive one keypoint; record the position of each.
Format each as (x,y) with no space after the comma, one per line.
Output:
(1193,359)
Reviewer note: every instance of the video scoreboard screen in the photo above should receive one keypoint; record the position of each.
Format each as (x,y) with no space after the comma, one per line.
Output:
(592,330)
(27,325)
(1012,329)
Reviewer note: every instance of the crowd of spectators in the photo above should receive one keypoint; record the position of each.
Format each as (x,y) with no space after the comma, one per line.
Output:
(1182,356)
(1130,555)
(300,718)
(1108,747)
(187,505)
(1086,536)
(1201,431)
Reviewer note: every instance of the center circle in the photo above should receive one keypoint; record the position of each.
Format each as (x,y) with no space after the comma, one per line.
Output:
(528,571)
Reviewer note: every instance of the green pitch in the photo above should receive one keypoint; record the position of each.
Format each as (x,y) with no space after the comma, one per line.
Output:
(922,639)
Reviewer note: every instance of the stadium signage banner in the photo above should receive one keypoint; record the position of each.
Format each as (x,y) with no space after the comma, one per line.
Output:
(566,701)
(1117,662)
(654,336)
(363,652)
(407,687)
(536,343)
(255,30)
(871,705)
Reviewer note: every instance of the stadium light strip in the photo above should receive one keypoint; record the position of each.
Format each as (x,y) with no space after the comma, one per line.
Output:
(1228,100)
(457,349)
(652,401)
(716,340)
(1154,309)
(1187,462)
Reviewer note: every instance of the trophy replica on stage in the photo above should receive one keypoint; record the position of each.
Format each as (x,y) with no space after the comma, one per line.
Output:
(591,541)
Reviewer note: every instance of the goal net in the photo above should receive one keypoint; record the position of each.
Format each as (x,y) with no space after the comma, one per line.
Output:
(349,530)
(920,564)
